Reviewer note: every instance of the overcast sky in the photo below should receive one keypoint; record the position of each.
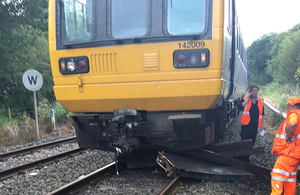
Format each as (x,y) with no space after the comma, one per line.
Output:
(259,17)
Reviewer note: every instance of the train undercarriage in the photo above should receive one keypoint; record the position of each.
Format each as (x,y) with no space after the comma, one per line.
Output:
(131,131)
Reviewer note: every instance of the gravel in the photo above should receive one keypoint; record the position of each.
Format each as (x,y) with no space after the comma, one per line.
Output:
(36,155)
(50,139)
(253,187)
(134,182)
(141,181)
(266,159)
(55,175)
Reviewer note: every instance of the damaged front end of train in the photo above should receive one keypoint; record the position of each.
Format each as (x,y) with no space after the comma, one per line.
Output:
(129,130)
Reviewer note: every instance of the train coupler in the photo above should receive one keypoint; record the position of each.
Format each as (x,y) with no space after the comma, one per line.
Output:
(170,169)
(126,145)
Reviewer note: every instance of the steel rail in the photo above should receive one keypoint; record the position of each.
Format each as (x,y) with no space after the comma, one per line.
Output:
(5,173)
(270,106)
(6,155)
(78,184)
(172,187)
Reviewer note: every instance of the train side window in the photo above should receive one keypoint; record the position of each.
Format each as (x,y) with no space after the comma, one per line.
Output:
(236,36)
(128,18)
(229,17)
(240,45)
(242,52)
(186,17)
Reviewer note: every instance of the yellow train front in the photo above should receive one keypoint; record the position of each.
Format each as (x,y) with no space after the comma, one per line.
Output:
(147,74)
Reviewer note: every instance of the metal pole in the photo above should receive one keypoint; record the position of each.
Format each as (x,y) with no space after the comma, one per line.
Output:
(9,115)
(52,118)
(36,116)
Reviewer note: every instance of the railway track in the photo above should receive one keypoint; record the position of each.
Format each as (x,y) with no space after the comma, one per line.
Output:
(258,171)
(108,172)
(172,187)
(6,155)
(105,180)
(76,185)
(5,173)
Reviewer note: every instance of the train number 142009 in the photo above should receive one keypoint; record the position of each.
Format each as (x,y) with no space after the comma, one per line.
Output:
(191,44)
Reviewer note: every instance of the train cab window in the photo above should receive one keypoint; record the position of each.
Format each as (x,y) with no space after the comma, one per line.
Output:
(186,17)
(77,20)
(128,18)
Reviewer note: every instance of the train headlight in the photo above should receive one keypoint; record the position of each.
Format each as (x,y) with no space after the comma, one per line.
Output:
(194,58)
(197,58)
(74,65)
(71,66)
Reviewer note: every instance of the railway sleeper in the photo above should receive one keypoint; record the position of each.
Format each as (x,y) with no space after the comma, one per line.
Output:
(213,162)
(200,169)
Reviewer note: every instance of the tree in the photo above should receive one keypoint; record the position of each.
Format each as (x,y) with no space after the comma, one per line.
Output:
(26,12)
(285,57)
(295,28)
(28,49)
(35,13)
(258,54)
(23,45)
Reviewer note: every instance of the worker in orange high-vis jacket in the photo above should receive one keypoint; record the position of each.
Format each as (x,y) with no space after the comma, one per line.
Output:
(287,148)
(252,108)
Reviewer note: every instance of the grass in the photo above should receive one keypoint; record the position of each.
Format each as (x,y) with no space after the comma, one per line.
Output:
(22,129)
(3,118)
(14,134)
(277,95)
(273,122)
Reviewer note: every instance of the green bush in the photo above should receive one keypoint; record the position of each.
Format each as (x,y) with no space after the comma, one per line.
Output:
(279,93)
(3,117)
(270,90)
(44,112)
(62,115)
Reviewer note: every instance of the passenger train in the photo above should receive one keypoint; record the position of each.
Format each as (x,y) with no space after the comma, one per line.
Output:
(147,74)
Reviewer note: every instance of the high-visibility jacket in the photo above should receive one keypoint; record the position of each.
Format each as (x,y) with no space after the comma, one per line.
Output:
(245,118)
(284,175)
(280,147)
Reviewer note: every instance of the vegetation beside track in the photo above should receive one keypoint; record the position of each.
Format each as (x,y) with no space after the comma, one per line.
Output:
(22,127)
(277,95)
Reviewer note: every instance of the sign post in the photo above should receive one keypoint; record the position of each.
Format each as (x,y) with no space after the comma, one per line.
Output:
(33,81)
